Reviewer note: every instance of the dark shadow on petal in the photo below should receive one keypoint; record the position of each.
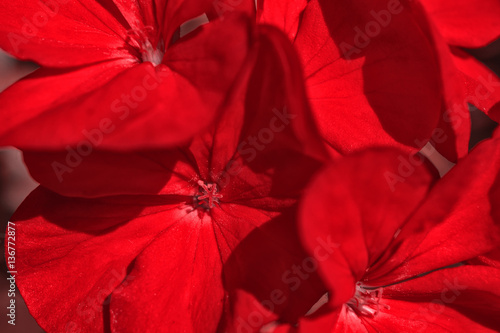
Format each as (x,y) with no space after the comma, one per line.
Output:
(271,264)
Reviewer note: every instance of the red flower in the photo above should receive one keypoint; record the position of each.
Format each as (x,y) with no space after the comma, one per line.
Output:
(371,75)
(116,68)
(397,264)
(152,261)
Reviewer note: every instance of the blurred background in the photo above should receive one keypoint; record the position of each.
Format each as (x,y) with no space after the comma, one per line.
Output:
(16,183)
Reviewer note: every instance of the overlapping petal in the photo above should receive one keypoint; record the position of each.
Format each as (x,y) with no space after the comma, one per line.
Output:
(461,299)
(483,85)
(217,144)
(365,90)
(267,127)
(131,106)
(188,275)
(464,23)
(263,189)
(164,16)
(454,223)
(283,14)
(99,173)
(358,205)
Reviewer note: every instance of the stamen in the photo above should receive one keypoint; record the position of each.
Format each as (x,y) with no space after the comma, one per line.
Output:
(367,302)
(208,195)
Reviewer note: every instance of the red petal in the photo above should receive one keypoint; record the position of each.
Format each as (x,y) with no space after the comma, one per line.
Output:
(348,321)
(265,147)
(462,299)
(454,224)
(125,118)
(278,150)
(101,173)
(49,89)
(357,205)
(72,253)
(271,264)
(285,14)
(405,316)
(326,320)
(62,33)
(271,98)
(224,8)
(492,258)
(177,282)
(367,91)
(139,107)
(489,259)
(464,23)
(231,222)
(165,16)
(452,134)
(483,85)
(187,293)
(259,174)
(256,315)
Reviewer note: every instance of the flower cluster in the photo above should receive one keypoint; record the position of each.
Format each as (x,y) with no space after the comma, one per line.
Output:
(241,166)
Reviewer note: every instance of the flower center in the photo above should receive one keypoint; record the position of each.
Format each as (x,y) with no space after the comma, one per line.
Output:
(139,40)
(366,302)
(150,54)
(208,195)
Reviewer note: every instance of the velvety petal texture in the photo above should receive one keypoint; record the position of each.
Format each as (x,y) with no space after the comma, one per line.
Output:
(483,85)
(464,23)
(62,33)
(132,105)
(465,80)
(359,205)
(164,16)
(147,172)
(363,89)
(68,172)
(254,166)
(461,299)
(454,224)
(77,251)
(452,133)
(244,175)
(286,15)
(399,265)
